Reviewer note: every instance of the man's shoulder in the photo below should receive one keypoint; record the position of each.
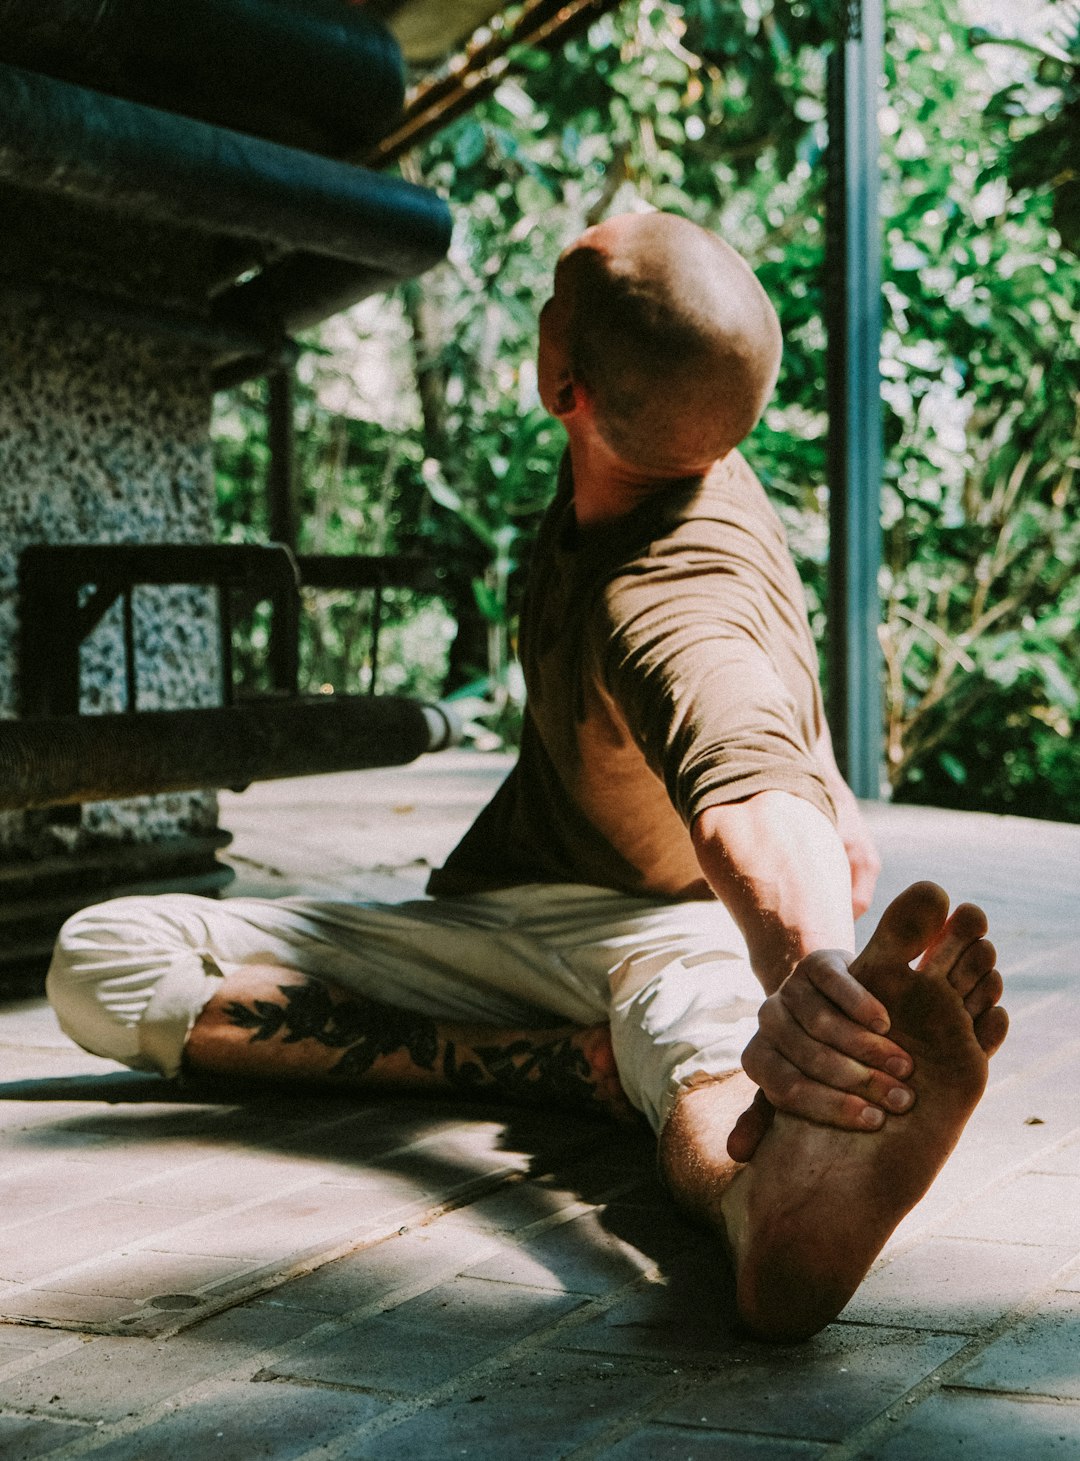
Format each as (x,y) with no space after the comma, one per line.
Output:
(714,512)
(733,482)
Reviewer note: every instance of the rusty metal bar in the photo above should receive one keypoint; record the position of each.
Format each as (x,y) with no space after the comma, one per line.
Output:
(56,761)
(281,410)
(131,682)
(356,570)
(439,100)
(376,626)
(225,644)
(284,653)
(53,624)
(263,566)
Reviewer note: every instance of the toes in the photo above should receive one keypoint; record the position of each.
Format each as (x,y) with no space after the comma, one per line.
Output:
(984,995)
(965,927)
(991,1028)
(910,923)
(974,964)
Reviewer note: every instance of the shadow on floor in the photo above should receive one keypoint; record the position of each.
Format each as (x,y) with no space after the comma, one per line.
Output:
(447,1154)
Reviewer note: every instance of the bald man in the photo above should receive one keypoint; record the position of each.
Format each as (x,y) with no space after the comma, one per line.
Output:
(674,842)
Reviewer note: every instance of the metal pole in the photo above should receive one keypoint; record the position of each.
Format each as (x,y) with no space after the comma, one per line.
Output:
(853,317)
(285,629)
(280,430)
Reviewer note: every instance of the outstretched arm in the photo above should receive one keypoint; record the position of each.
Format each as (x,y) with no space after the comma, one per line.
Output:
(821,1049)
(710,708)
(862,856)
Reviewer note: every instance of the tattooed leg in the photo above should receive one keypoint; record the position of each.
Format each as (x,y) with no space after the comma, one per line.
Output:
(274,1023)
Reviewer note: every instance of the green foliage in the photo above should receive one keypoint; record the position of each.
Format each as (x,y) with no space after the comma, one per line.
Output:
(982,369)
(1042,112)
(715,109)
(241,463)
(358,480)
(649,111)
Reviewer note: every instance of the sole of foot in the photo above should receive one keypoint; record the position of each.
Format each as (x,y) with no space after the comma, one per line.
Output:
(807,1216)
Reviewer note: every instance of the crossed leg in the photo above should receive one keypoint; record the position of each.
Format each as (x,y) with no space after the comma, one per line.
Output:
(269,1022)
(804,1219)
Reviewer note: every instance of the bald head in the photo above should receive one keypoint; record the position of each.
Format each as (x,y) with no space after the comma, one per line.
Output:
(673,337)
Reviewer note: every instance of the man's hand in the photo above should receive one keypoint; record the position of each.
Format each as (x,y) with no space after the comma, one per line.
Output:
(862,856)
(821,1052)
(861,853)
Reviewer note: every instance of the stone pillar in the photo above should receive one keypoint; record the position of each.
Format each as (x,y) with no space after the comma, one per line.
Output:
(104,438)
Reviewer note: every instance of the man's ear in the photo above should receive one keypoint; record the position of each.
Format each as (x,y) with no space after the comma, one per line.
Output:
(566,398)
(571,398)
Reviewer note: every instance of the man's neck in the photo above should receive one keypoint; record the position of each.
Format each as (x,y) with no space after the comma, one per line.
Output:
(605,488)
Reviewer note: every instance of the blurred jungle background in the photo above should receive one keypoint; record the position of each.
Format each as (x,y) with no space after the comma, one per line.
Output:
(418,425)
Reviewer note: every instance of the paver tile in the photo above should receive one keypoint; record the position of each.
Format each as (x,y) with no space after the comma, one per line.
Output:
(131,1135)
(212,1186)
(427,1256)
(537,1411)
(1065,1159)
(672,1443)
(72,1310)
(1034,1207)
(143,1274)
(245,1421)
(687,1313)
(514,1205)
(988,1427)
(33,1250)
(106,1379)
(402,1186)
(953,1284)
(82,1133)
(391,1360)
(22,1438)
(820,1391)
(16,1339)
(50,1187)
(127,1162)
(513,1208)
(503,1311)
(411,1348)
(998,1141)
(1039,1357)
(272,1229)
(593,1254)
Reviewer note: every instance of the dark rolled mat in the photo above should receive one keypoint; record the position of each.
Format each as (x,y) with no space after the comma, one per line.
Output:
(67,759)
(72,142)
(322,75)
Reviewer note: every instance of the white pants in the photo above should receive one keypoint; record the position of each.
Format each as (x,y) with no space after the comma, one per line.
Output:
(129,977)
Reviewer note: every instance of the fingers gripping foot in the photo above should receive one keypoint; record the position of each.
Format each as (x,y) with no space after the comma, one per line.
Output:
(812,1209)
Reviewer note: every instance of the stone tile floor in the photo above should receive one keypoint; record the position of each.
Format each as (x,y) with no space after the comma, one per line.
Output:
(244,1272)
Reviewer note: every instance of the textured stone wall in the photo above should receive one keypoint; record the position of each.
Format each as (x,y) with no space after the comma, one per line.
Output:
(104,439)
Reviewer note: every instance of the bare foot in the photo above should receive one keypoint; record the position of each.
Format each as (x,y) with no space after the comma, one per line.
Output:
(594,1043)
(815,1205)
